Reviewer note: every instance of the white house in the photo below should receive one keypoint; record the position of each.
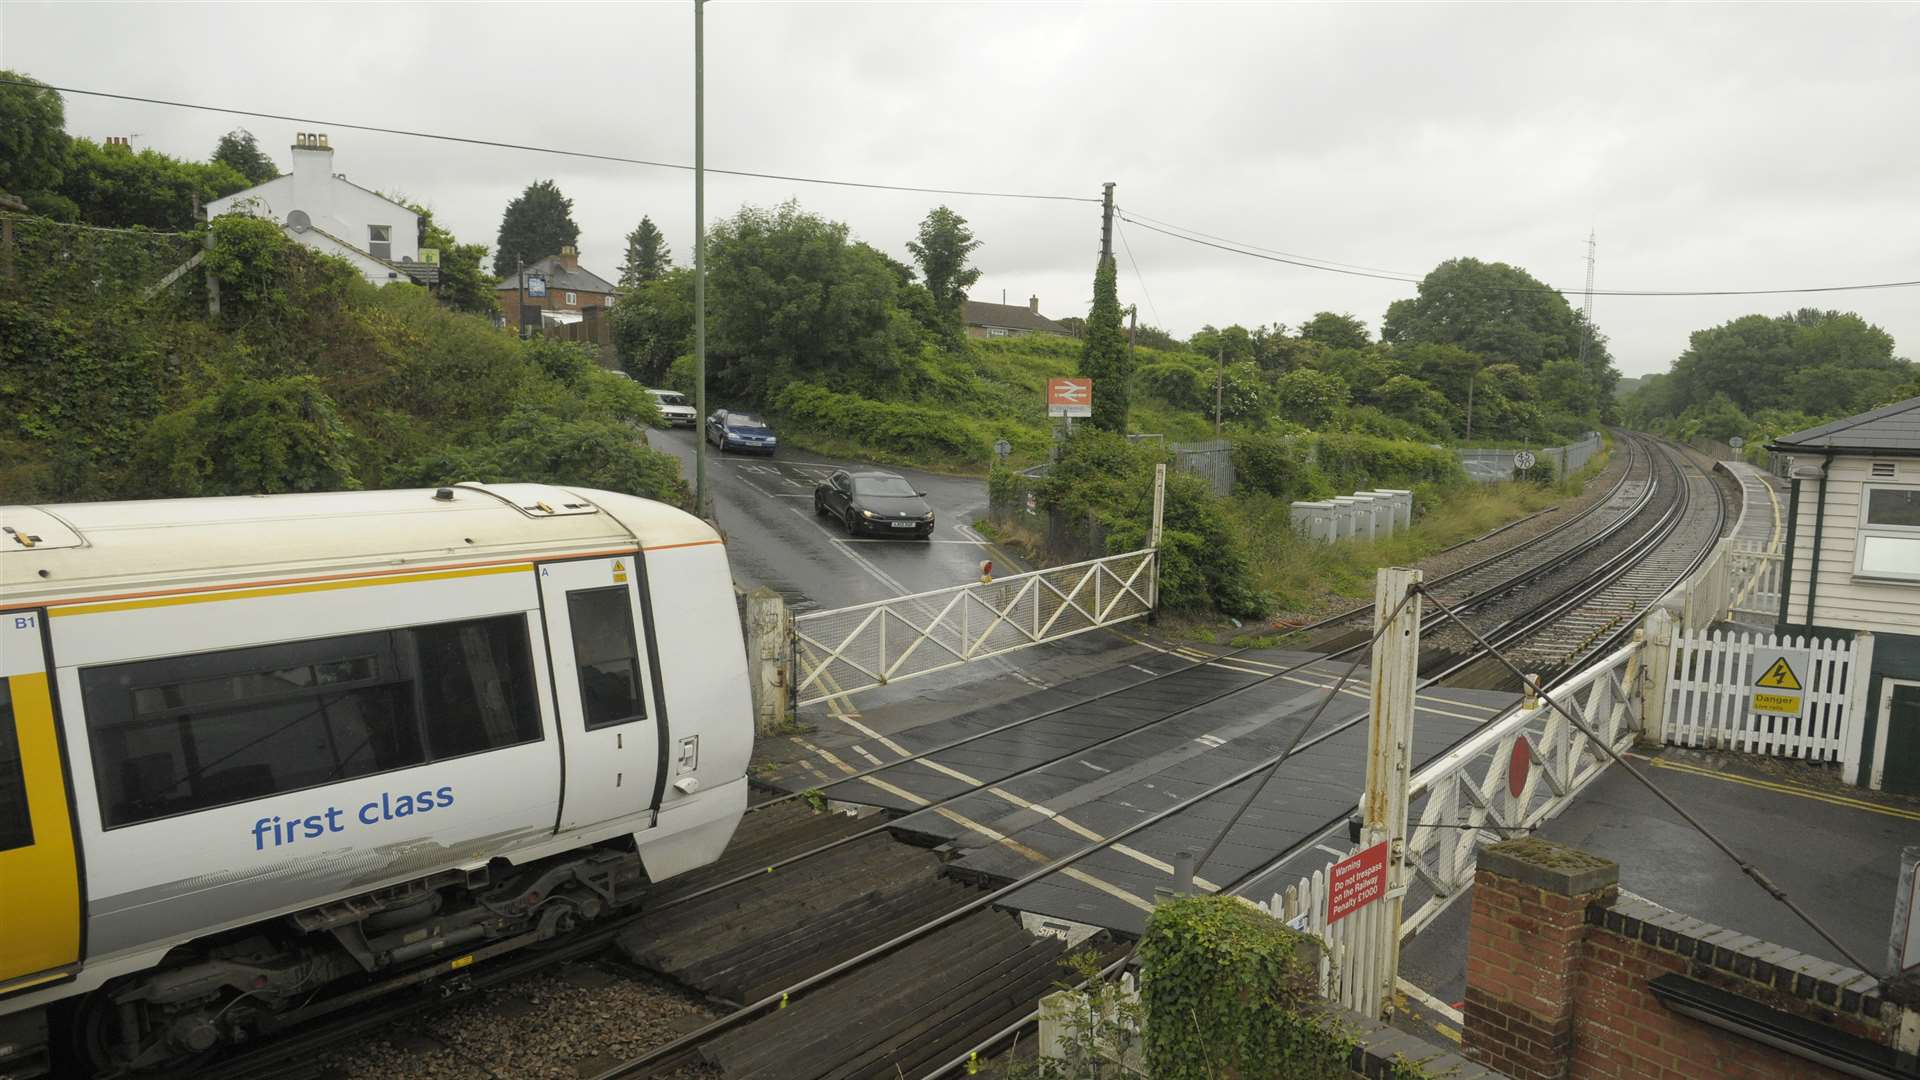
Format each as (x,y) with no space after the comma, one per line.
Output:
(327,212)
(1853,568)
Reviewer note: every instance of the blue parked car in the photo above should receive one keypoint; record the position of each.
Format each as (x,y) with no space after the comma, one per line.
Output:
(740,431)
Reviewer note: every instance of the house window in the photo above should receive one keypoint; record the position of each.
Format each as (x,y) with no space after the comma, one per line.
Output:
(996,331)
(380,241)
(573,298)
(1889,537)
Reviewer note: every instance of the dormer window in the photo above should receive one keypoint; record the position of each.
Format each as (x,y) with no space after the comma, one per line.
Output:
(380,241)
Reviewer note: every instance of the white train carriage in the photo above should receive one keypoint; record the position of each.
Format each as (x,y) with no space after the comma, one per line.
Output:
(251,748)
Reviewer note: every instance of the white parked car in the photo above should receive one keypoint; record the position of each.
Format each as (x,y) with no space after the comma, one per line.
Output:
(675,407)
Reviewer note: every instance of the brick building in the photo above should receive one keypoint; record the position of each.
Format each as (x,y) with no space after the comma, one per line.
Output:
(556,292)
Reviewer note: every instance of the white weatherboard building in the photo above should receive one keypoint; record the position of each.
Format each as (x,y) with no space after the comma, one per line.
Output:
(1853,567)
(327,212)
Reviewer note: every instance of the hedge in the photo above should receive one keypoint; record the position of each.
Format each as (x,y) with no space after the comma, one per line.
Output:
(900,429)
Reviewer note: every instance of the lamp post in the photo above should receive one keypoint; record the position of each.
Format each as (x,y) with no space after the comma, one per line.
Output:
(700,494)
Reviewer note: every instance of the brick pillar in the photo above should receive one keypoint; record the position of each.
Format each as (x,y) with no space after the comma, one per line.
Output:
(1530,899)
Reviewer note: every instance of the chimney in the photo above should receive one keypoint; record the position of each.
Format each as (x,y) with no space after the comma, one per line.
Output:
(313,177)
(1033,304)
(570,257)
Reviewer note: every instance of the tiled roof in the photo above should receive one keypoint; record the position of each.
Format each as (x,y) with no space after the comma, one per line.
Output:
(558,277)
(1011,317)
(421,273)
(1890,427)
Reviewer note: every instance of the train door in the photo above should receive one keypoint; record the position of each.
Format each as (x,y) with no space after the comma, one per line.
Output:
(39,864)
(602,686)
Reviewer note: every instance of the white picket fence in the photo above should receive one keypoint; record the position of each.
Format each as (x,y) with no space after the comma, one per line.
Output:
(1709,693)
(1755,573)
(1349,974)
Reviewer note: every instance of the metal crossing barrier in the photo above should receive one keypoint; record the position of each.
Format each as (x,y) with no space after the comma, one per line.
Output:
(846,650)
(1517,772)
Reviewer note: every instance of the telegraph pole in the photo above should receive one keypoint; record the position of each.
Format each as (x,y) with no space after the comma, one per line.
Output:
(1106,223)
(700,494)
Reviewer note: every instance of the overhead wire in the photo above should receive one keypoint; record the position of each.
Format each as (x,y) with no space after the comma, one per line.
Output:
(560,152)
(1137,275)
(1252,252)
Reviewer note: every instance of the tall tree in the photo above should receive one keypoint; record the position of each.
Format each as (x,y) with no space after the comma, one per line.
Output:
(1498,310)
(942,249)
(239,150)
(1336,331)
(1103,356)
(464,283)
(647,255)
(536,224)
(33,136)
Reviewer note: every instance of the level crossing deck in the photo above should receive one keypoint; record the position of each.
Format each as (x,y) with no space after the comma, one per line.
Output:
(1015,826)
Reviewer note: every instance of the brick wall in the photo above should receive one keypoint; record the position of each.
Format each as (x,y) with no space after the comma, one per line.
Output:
(1561,970)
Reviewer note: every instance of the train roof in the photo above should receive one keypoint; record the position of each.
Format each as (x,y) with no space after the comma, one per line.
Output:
(67,550)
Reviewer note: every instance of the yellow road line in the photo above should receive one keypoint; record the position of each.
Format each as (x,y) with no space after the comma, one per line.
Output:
(1789,789)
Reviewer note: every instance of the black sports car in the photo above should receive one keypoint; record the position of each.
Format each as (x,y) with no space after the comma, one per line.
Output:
(874,502)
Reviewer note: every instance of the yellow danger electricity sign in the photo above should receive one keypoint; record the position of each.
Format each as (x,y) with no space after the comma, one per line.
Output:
(1779,689)
(1780,676)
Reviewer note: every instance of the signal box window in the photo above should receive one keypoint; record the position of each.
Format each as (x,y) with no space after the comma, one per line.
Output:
(188,733)
(16,827)
(607,656)
(1889,542)
(380,241)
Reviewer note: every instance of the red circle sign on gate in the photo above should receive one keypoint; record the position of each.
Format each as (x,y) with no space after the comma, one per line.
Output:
(1517,767)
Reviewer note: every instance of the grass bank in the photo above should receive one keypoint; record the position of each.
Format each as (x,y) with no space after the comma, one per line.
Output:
(1304,577)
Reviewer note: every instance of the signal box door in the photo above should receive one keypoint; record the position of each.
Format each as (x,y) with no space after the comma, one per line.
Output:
(39,863)
(603,690)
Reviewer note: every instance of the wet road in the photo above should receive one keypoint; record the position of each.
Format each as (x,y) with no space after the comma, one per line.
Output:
(765,508)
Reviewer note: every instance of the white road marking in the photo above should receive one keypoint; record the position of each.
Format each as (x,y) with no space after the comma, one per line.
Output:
(1331,851)
(862,751)
(1430,1001)
(1092,766)
(1148,671)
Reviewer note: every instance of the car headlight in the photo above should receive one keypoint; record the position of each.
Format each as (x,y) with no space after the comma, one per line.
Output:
(868,514)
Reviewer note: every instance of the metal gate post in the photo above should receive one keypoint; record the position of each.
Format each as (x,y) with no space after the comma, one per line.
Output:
(1395,664)
(1154,535)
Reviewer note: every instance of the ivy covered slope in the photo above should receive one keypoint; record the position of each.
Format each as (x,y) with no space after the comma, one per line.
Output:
(309,379)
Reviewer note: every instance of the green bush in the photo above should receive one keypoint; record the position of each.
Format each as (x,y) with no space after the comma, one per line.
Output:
(1353,462)
(1202,562)
(890,427)
(1230,991)
(1277,465)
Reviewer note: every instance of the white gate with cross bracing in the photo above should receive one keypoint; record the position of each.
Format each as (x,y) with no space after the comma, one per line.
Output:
(845,650)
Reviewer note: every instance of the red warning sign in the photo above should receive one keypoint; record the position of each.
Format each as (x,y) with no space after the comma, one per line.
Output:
(1356,881)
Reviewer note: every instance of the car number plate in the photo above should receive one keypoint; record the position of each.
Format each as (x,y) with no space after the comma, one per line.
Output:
(906,524)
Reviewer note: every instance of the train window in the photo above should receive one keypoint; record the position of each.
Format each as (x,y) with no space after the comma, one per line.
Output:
(189,733)
(16,826)
(476,682)
(606,655)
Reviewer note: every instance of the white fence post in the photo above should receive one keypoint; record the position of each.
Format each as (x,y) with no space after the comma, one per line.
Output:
(1656,671)
(1858,670)
(1395,662)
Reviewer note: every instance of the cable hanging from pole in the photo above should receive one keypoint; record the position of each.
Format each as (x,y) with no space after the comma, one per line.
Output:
(1252,252)
(557,151)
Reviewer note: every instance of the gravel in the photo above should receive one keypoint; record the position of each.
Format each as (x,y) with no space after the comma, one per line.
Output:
(569,1023)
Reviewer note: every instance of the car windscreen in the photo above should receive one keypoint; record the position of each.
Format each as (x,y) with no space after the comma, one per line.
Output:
(882,487)
(747,424)
(671,399)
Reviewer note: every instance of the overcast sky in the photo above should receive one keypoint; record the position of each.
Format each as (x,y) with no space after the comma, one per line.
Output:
(1711,147)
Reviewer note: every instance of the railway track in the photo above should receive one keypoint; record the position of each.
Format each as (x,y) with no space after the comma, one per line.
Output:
(851,935)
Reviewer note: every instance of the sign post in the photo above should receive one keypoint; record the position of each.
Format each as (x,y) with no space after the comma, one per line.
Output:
(1070,398)
(1524,461)
(1779,682)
